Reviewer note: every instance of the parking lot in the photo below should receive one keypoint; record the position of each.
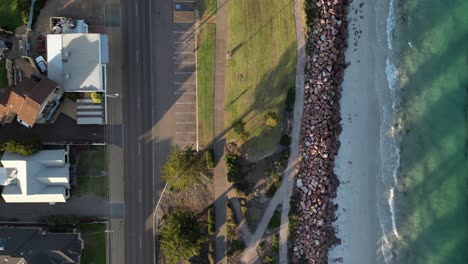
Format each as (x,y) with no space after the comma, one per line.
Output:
(185,83)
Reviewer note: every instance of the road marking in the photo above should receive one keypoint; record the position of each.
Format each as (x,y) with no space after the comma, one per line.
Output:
(138,102)
(139,195)
(136,9)
(141,242)
(184,103)
(185,123)
(182,52)
(184,92)
(137,56)
(184,72)
(184,83)
(139,149)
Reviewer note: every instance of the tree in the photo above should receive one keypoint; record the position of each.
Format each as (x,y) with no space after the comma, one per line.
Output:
(271,119)
(96,97)
(184,168)
(239,127)
(181,237)
(25,148)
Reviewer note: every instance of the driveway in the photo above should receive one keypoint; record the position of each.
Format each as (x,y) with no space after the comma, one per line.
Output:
(64,130)
(80,206)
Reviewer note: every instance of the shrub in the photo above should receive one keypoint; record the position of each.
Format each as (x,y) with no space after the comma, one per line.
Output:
(268,260)
(271,119)
(285,140)
(24,148)
(275,220)
(236,173)
(275,244)
(62,220)
(239,127)
(73,96)
(97,97)
(209,157)
(211,221)
(234,246)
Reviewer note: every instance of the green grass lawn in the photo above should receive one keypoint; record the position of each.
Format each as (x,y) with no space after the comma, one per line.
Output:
(92,185)
(3,76)
(205,79)
(207,7)
(262,43)
(10,17)
(94,238)
(92,160)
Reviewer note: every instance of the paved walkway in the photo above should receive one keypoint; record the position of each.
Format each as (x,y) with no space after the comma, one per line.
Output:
(283,194)
(220,183)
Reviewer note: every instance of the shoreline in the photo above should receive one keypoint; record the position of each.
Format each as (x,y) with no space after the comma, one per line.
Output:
(358,161)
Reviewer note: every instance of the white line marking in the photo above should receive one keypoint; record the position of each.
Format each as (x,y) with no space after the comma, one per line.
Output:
(139,149)
(184,83)
(137,56)
(184,103)
(185,123)
(184,92)
(136,9)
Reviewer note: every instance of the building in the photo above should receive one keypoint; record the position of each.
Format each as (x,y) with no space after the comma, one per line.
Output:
(34,246)
(42,177)
(77,61)
(30,102)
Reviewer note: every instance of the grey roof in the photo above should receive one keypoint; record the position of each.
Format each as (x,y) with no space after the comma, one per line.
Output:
(34,247)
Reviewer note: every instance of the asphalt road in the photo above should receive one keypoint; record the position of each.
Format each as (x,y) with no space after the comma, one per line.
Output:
(148,126)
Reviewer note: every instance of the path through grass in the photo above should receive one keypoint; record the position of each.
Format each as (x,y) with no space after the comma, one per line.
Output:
(262,43)
(205,80)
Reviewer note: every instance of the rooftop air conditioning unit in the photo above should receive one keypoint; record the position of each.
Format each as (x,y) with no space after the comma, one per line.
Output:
(67,76)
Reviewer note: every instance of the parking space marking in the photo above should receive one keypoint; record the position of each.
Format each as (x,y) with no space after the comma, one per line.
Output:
(183,83)
(185,93)
(137,56)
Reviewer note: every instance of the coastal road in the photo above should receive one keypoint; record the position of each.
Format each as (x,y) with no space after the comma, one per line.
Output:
(148,117)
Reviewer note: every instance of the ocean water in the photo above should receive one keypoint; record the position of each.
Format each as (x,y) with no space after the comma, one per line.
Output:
(423,210)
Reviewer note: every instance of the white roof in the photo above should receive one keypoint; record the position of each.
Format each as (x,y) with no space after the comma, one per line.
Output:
(39,178)
(75,61)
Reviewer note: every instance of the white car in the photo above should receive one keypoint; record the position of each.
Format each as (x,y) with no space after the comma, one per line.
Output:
(41,63)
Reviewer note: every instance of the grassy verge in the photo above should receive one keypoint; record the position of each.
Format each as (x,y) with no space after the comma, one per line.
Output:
(92,185)
(92,160)
(207,7)
(10,16)
(94,238)
(3,76)
(262,44)
(205,79)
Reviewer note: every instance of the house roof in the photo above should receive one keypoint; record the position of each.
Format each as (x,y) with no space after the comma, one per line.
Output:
(75,61)
(35,247)
(26,98)
(39,178)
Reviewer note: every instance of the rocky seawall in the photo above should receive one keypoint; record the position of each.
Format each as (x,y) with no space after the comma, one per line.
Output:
(317,184)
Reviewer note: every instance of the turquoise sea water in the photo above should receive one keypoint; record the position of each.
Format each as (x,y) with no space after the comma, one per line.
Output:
(430,205)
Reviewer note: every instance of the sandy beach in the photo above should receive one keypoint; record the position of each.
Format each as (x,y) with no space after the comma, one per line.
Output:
(358,161)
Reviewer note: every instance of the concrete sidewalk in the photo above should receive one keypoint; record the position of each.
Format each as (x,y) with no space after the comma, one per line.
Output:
(220,173)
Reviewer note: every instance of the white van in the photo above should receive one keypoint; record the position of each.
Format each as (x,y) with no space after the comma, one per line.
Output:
(41,63)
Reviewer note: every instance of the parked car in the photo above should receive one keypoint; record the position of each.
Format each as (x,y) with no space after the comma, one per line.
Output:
(40,44)
(41,63)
